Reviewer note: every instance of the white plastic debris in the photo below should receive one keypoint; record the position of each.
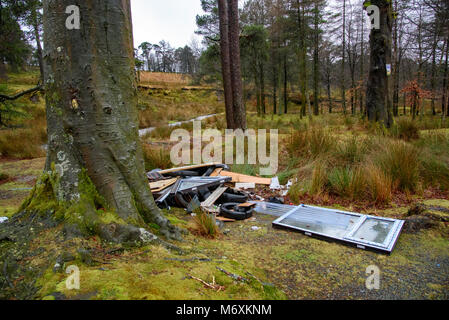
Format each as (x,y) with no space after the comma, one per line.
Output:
(3,219)
(275,185)
(286,188)
(244,186)
(255,228)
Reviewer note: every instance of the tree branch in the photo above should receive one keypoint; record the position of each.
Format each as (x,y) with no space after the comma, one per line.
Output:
(4,97)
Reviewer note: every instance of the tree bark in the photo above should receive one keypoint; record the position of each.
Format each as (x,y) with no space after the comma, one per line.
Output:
(226,62)
(239,111)
(92,121)
(378,100)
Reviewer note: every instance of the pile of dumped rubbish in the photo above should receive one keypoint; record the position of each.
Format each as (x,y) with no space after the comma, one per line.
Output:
(228,196)
(212,188)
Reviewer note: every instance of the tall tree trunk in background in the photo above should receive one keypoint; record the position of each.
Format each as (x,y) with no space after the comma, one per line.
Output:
(262,87)
(302,58)
(343,64)
(226,62)
(395,65)
(280,81)
(285,84)
(92,119)
(432,79)
(38,44)
(258,100)
(378,100)
(362,65)
(444,105)
(3,74)
(239,111)
(316,71)
(275,82)
(329,96)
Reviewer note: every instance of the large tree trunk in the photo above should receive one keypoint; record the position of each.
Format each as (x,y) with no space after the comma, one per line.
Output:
(236,76)
(94,159)
(378,100)
(226,62)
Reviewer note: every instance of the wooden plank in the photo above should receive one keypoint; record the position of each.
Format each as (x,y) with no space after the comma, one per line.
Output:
(247,205)
(214,197)
(216,172)
(225,219)
(188,167)
(162,184)
(236,177)
(211,209)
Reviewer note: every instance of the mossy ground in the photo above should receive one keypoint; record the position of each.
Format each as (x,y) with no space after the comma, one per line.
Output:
(278,264)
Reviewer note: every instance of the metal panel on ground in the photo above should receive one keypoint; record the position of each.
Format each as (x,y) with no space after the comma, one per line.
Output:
(361,230)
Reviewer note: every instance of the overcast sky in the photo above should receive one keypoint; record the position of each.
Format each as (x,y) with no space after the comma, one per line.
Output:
(169,20)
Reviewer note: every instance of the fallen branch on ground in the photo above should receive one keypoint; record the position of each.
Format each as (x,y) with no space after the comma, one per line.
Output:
(233,276)
(212,285)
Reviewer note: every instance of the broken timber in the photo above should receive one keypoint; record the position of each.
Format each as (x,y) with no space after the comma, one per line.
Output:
(208,203)
(241,178)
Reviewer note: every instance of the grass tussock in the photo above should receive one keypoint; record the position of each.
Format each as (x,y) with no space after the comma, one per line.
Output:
(379,186)
(22,143)
(406,129)
(205,225)
(156,158)
(401,162)
(367,168)
(310,143)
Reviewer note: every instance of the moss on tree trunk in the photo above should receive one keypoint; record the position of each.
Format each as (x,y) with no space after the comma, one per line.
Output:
(94,177)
